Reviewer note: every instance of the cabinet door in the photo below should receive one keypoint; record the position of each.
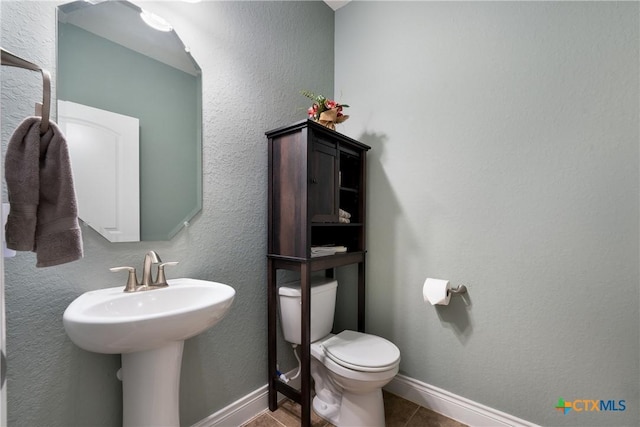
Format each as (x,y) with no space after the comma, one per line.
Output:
(323,182)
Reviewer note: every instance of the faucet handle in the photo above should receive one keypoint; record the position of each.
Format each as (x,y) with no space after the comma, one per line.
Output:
(132,281)
(161,280)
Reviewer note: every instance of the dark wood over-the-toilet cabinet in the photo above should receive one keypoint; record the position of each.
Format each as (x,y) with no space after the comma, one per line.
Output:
(313,173)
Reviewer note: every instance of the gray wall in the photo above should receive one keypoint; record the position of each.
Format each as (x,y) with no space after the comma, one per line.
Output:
(505,157)
(255,57)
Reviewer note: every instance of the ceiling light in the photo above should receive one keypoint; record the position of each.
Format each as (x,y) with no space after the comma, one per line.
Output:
(156,22)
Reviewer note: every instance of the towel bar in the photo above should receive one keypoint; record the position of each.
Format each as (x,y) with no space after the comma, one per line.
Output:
(42,110)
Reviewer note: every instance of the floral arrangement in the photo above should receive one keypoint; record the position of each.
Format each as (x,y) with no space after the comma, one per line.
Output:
(325,111)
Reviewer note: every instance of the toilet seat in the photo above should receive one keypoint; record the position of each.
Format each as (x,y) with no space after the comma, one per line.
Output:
(361,352)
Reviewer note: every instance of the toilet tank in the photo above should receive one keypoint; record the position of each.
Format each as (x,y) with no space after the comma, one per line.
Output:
(323,303)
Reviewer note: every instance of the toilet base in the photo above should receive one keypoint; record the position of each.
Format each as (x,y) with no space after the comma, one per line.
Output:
(326,411)
(362,410)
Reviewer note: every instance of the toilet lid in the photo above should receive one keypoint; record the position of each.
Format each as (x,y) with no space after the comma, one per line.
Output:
(361,352)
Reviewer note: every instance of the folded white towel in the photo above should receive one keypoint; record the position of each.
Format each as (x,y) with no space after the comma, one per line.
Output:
(317,251)
(344,214)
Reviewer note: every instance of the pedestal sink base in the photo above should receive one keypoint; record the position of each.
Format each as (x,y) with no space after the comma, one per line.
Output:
(151,386)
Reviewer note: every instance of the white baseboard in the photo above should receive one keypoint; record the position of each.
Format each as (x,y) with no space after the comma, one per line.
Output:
(438,400)
(245,408)
(239,412)
(451,405)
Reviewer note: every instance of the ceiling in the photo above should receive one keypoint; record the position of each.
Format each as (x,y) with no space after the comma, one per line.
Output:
(336,4)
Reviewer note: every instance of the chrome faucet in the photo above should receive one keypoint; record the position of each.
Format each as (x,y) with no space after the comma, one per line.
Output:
(148,283)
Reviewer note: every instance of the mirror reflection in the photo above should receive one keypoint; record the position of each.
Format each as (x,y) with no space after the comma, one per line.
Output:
(113,67)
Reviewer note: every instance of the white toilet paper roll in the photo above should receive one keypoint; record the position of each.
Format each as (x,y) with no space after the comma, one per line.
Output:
(436,291)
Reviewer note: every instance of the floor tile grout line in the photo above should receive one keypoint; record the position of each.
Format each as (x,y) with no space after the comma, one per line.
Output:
(275,419)
(415,411)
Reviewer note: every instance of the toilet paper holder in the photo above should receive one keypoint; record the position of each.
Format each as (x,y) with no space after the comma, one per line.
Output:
(440,291)
(461,289)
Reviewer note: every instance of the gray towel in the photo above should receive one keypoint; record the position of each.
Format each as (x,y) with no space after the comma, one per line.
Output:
(44,215)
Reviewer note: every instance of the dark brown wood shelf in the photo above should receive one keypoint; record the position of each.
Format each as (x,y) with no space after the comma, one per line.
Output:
(313,173)
(336,224)
(318,263)
(353,190)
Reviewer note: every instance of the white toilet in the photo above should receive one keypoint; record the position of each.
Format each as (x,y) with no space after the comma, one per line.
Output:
(349,369)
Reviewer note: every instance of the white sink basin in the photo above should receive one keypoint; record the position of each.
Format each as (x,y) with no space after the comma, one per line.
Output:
(112,321)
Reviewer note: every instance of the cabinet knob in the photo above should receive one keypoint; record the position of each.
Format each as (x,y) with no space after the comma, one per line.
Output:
(314,180)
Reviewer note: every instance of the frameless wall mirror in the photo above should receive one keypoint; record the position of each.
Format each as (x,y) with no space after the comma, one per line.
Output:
(130,105)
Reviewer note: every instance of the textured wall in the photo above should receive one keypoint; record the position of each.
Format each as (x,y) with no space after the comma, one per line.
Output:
(505,156)
(255,58)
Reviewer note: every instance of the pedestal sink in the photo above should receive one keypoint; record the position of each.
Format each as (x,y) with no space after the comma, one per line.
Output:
(148,328)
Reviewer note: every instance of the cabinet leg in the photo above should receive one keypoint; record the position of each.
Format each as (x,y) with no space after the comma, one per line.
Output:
(361,295)
(272,357)
(305,401)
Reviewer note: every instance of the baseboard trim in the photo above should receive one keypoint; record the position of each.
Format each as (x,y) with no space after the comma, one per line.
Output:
(438,400)
(245,408)
(238,412)
(451,405)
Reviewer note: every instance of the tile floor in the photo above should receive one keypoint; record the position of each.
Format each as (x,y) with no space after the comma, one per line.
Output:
(398,413)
